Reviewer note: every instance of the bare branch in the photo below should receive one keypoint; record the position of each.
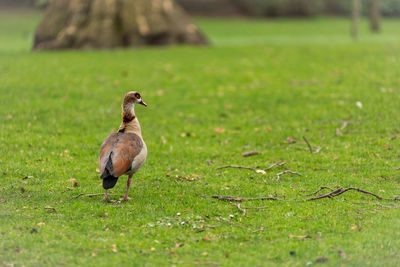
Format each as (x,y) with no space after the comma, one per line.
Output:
(250,153)
(279,164)
(308,144)
(317,150)
(256,208)
(321,188)
(240,199)
(236,166)
(360,190)
(341,190)
(278,175)
(241,209)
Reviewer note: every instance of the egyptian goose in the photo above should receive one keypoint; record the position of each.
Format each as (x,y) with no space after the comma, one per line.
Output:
(123,152)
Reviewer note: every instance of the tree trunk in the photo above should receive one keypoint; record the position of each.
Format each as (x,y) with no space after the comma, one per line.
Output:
(102,24)
(375,16)
(355,17)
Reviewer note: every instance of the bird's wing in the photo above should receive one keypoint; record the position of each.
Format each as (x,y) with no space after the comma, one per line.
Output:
(105,150)
(124,148)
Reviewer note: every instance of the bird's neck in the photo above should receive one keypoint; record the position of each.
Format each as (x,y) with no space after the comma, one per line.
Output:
(130,123)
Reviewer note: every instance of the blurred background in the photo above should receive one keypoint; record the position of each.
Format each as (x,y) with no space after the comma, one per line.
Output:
(110,24)
(256,8)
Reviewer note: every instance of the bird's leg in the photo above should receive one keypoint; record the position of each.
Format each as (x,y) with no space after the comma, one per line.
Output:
(105,196)
(128,184)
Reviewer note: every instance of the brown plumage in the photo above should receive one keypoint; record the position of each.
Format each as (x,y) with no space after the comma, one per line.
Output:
(123,152)
(124,148)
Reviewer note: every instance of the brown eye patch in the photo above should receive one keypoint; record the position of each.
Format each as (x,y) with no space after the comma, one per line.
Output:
(137,95)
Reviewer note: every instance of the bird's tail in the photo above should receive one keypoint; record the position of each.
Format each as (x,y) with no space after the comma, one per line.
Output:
(109,180)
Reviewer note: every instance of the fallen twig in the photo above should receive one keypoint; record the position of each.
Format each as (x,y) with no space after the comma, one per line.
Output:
(257,208)
(321,188)
(279,164)
(339,130)
(68,188)
(342,190)
(317,150)
(258,230)
(278,175)
(88,195)
(250,153)
(189,178)
(240,199)
(236,166)
(241,209)
(50,208)
(308,144)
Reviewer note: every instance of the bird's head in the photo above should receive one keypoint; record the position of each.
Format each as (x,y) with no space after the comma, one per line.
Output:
(132,98)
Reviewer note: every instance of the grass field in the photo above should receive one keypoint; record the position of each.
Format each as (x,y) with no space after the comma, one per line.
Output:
(261,86)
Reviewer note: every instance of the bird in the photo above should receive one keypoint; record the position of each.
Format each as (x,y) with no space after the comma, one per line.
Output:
(125,151)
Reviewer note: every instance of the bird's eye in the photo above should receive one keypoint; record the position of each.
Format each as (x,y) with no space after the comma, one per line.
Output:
(137,96)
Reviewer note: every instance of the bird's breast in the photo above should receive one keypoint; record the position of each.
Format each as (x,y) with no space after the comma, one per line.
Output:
(138,160)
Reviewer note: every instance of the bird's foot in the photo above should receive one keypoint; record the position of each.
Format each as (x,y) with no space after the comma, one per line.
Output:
(125,198)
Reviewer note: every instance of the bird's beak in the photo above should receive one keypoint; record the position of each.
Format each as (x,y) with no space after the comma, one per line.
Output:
(142,103)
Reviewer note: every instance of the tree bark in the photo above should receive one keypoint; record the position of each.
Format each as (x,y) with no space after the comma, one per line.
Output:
(105,24)
(355,17)
(375,16)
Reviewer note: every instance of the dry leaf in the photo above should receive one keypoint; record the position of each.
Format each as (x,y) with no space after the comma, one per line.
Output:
(114,248)
(49,208)
(153,249)
(178,245)
(219,130)
(94,254)
(41,224)
(72,180)
(290,140)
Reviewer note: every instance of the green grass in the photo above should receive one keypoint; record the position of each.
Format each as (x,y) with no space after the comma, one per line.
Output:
(261,82)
